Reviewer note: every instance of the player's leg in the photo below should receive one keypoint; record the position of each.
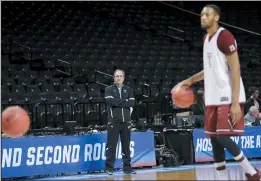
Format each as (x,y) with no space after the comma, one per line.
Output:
(217,149)
(219,159)
(225,129)
(210,121)
(238,155)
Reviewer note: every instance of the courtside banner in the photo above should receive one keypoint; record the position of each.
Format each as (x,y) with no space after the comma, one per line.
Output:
(250,143)
(31,156)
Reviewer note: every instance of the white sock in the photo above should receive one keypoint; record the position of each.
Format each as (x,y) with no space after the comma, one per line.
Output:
(245,164)
(222,174)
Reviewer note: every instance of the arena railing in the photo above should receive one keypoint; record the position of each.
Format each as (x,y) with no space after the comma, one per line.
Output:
(54,113)
(13,42)
(60,64)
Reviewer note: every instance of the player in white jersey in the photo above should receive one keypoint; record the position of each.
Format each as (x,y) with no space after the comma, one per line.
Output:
(224,93)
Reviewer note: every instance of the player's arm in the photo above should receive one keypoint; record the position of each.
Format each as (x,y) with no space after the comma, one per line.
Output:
(233,63)
(227,45)
(193,79)
(197,77)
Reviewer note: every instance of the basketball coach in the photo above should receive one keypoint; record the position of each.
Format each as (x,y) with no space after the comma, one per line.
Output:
(120,100)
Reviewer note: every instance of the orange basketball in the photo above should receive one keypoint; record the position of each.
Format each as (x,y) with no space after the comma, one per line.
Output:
(15,121)
(183,96)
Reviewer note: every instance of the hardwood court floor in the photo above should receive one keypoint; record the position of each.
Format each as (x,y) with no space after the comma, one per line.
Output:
(189,172)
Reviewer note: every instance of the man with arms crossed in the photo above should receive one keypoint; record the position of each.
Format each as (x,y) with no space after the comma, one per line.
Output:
(120,100)
(224,93)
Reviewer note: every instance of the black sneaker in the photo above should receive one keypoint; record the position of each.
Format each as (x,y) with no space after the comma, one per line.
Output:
(109,171)
(129,171)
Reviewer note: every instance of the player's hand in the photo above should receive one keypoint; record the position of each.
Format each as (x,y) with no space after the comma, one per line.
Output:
(235,112)
(186,82)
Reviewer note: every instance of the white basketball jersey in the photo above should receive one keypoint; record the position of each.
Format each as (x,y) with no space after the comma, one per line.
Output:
(217,76)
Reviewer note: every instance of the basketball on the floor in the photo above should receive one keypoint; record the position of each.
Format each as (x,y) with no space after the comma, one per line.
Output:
(15,121)
(183,96)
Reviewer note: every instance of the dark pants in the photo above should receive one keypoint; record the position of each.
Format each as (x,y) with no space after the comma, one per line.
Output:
(113,132)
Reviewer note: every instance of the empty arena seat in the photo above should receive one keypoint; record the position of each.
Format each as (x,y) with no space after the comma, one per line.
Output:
(65,88)
(48,88)
(18,89)
(92,118)
(33,89)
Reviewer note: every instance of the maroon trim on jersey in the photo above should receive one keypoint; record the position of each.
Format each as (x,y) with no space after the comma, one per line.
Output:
(230,133)
(220,105)
(226,42)
(204,38)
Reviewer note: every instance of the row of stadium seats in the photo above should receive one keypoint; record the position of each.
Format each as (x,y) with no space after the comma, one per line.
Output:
(156,49)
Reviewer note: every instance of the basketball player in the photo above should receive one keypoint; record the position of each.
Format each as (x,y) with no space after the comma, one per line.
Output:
(224,93)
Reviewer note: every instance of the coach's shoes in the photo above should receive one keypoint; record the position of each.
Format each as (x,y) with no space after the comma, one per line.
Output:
(109,171)
(129,171)
(255,177)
